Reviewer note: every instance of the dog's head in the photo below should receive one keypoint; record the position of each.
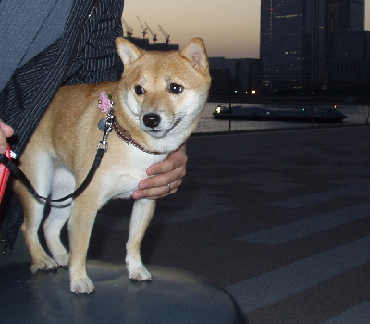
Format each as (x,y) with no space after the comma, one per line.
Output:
(164,92)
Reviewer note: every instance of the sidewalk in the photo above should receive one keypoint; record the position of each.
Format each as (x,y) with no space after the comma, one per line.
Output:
(280,219)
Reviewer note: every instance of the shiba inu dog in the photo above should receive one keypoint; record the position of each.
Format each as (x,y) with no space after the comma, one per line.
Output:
(154,108)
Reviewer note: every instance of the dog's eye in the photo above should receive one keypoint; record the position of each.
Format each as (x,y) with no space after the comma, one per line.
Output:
(139,90)
(175,88)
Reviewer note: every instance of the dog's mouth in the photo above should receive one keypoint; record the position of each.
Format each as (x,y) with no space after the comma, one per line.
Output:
(157,132)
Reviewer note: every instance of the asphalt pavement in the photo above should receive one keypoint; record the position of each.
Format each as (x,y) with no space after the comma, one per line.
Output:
(280,219)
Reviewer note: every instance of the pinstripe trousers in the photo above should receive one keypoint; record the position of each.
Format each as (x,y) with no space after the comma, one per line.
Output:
(86,53)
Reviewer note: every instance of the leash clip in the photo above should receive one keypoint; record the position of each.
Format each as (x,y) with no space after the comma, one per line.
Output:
(105,125)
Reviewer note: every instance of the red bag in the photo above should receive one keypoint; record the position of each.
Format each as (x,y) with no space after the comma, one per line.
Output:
(4,173)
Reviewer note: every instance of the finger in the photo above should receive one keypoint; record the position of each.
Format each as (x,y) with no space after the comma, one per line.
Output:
(158,192)
(3,147)
(164,166)
(170,171)
(2,142)
(161,180)
(175,160)
(157,181)
(164,192)
(5,131)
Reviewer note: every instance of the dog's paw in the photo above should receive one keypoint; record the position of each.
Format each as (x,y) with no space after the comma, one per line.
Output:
(62,260)
(136,270)
(140,274)
(46,263)
(82,286)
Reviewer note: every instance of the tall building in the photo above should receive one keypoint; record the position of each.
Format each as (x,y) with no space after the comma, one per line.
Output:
(349,62)
(347,46)
(292,44)
(345,15)
(296,37)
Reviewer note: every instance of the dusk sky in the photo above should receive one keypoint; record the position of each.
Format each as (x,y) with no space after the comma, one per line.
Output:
(229,28)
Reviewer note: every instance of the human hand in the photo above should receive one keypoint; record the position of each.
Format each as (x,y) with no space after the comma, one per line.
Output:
(167,176)
(5,131)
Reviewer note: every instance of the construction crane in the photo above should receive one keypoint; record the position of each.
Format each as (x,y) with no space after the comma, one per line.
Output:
(129,30)
(165,34)
(154,35)
(144,30)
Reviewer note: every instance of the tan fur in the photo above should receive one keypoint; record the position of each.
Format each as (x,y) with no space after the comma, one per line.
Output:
(63,146)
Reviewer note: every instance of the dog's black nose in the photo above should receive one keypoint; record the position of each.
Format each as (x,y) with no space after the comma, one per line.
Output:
(151,120)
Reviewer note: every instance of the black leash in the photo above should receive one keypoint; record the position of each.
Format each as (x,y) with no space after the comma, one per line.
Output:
(106,125)
(18,173)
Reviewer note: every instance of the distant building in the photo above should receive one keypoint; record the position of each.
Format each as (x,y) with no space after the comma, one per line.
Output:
(144,44)
(140,42)
(235,76)
(344,15)
(341,16)
(349,61)
(162,47)
(223,75)
(292,44)
(296,42)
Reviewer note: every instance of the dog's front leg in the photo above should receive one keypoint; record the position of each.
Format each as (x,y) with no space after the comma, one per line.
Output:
(80,225)
(142,213)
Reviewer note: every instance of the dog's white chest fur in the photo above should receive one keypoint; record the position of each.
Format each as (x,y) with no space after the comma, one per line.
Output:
(121,182)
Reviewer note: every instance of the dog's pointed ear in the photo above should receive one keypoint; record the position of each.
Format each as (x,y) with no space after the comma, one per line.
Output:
(127,51)
(196,54)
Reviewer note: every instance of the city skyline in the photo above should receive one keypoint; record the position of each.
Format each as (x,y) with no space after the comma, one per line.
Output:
(229,28)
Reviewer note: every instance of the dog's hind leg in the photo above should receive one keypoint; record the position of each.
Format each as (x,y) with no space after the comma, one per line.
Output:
(41,178)
(142,213)
(63,184)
